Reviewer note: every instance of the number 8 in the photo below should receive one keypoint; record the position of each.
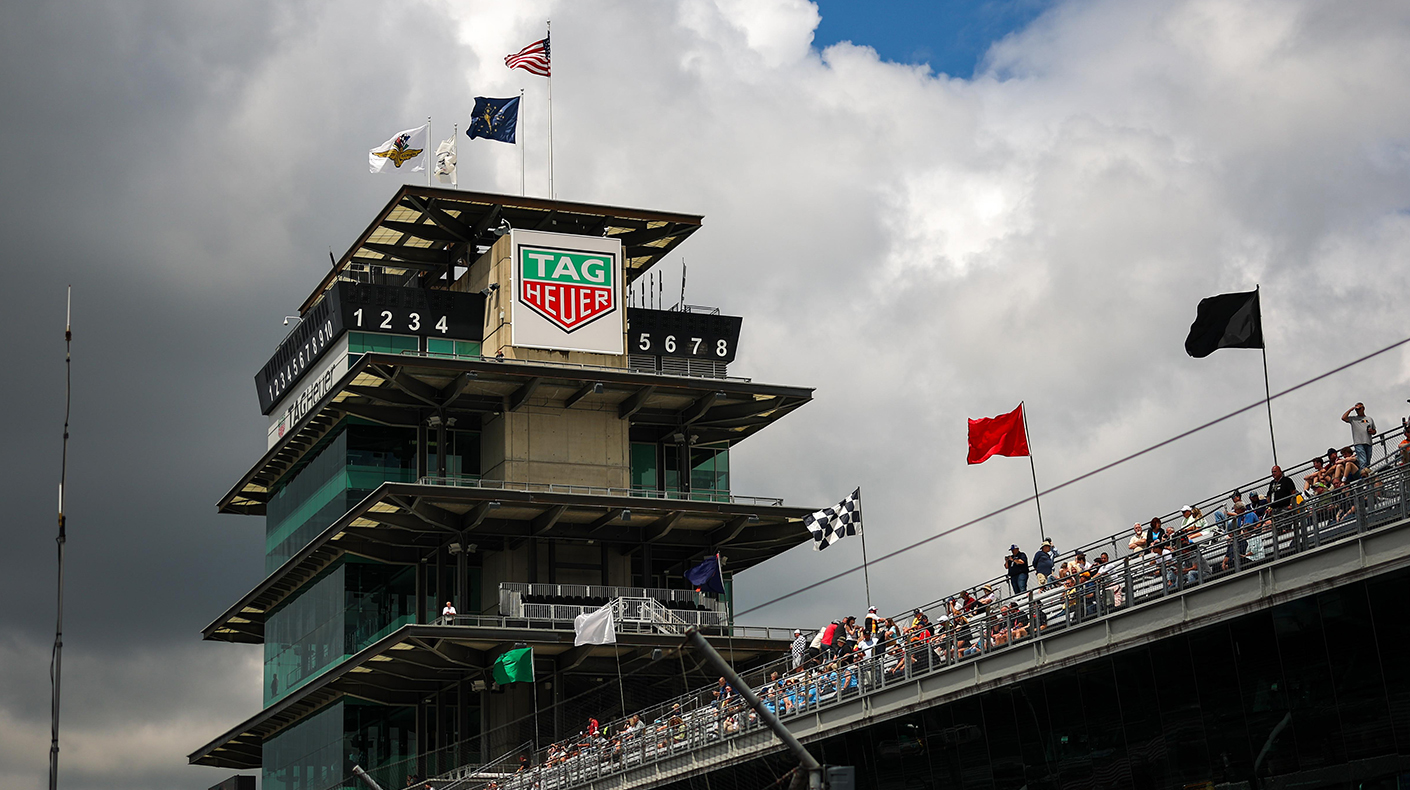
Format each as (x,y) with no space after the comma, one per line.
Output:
(721,348)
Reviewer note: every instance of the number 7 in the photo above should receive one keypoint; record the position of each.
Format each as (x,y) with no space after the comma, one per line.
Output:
(695,349)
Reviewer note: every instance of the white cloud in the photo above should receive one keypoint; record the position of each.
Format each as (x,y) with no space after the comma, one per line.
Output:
(921,249)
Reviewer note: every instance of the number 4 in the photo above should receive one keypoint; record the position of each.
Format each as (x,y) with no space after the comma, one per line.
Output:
(441,325)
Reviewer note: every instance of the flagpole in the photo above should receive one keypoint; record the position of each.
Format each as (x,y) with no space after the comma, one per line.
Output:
(455,151)
(866,576)
(1267,391)
(1034,470)
(535,682)
(549,36)
(519,122)
(427,162)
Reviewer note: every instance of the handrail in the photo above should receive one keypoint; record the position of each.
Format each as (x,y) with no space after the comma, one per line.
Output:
(700,718)
(574,365)
(474,481)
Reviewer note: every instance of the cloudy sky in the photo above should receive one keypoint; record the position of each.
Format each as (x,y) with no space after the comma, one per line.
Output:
(928,211)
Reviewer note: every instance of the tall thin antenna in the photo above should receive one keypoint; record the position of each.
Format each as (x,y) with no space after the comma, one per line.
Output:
(682,283)
(56,658)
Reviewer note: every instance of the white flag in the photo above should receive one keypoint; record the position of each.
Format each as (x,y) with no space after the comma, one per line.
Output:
(594,628)
(445,161)
(405,147)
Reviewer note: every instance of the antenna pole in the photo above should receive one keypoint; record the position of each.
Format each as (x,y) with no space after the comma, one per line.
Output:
(682,283)
(56,659)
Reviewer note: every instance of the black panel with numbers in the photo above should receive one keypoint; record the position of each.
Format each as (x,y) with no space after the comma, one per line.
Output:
(670,333)
(362,307)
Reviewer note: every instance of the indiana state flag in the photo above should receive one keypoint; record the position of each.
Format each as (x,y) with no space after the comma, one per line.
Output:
(494,119)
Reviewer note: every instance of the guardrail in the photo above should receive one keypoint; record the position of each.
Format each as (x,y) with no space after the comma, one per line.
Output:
(568,613)
(512,603)
(472,481)
(572,365)
(703,718)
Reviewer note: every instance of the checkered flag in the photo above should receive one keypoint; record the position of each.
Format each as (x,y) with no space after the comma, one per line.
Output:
(832,524)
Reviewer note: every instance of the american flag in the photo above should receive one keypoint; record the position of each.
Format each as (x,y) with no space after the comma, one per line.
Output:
(533,58)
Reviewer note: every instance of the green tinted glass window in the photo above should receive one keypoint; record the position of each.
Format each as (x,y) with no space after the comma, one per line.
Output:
(644,466)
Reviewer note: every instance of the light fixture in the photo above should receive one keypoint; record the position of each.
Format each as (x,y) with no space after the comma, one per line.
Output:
(450,422)
(502,228)
(491,505)
(289,318)
(453,548)
(477,685)
(657,654)
(597,387)
(626,515)
(434,421)
(753,519)
(489,289)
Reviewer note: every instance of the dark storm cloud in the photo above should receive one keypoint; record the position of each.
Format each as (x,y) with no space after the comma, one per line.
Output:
(1041,232)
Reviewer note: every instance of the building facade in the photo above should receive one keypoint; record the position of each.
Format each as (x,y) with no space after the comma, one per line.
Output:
(472,413)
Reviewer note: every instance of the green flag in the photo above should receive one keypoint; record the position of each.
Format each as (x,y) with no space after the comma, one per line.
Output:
(515,666)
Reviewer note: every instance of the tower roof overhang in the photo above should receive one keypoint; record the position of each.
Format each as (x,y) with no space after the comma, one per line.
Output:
(417,660)
(427,231)
(403,523)
(403,389)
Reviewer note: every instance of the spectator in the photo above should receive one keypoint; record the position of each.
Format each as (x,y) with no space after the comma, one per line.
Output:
(1282,492)
(1362,429)
(1017,565)
(722,693)
(1138,542)
(448,614)
(1257,505)
(829,638)
(1156,534)
(985,600)
(871,624)
(1345,469)
(592,725)
(1315,481)
(815,647)
(1192,522)
(800,648)
(1404,447)
(1043,562)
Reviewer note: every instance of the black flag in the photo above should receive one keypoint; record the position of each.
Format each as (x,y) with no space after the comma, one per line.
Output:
(1226,321)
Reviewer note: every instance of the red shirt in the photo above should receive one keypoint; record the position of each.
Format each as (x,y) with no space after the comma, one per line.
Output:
(592,727)
(829,633)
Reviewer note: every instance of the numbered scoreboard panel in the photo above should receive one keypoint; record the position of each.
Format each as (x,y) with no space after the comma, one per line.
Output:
(669,333)
(365,307)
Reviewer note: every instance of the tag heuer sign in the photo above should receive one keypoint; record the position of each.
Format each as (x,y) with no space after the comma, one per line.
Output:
(567,292)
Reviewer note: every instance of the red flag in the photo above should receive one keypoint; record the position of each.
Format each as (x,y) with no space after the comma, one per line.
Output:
(1002,435)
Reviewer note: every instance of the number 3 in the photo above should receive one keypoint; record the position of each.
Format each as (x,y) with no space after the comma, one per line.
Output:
(415,322)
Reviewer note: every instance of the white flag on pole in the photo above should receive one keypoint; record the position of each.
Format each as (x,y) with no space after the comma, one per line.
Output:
(445,161)
(594,628)
(405,147)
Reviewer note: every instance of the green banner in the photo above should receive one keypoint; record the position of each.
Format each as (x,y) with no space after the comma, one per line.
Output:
(515,666)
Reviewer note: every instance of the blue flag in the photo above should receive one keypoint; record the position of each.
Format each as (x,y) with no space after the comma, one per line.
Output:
(494,119)
(706,576)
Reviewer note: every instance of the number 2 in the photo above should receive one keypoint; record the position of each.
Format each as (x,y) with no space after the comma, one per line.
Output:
(386,319)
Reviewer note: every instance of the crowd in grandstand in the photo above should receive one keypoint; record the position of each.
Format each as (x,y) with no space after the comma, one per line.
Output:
(846,653)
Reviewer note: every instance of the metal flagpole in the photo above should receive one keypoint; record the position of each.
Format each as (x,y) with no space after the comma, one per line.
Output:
(1267,391)
(549,35)
(866,576)
(1042,532)
(455,152)
(56,669)
(535,683)
(426,163)
(519,122)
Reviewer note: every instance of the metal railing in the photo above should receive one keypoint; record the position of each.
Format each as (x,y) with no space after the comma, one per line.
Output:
(561,619)
(572,365)
(474,481)
(1140,578)
(512,603)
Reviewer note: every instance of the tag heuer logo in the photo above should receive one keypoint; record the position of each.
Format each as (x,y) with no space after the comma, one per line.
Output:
(570,289)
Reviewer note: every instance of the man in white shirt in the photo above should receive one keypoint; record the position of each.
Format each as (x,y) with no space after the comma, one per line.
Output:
(1362,429)
(448,614)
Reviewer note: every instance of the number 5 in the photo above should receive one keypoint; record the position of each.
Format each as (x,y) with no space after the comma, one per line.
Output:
(645,343)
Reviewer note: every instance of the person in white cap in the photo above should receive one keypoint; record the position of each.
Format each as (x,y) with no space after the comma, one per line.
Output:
(1192,522)
(800,648)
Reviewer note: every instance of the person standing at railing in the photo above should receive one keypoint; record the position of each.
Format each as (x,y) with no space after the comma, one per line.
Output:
(448,614)
(1016,563)
(800,648)
(1043,562)
(1362,429)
